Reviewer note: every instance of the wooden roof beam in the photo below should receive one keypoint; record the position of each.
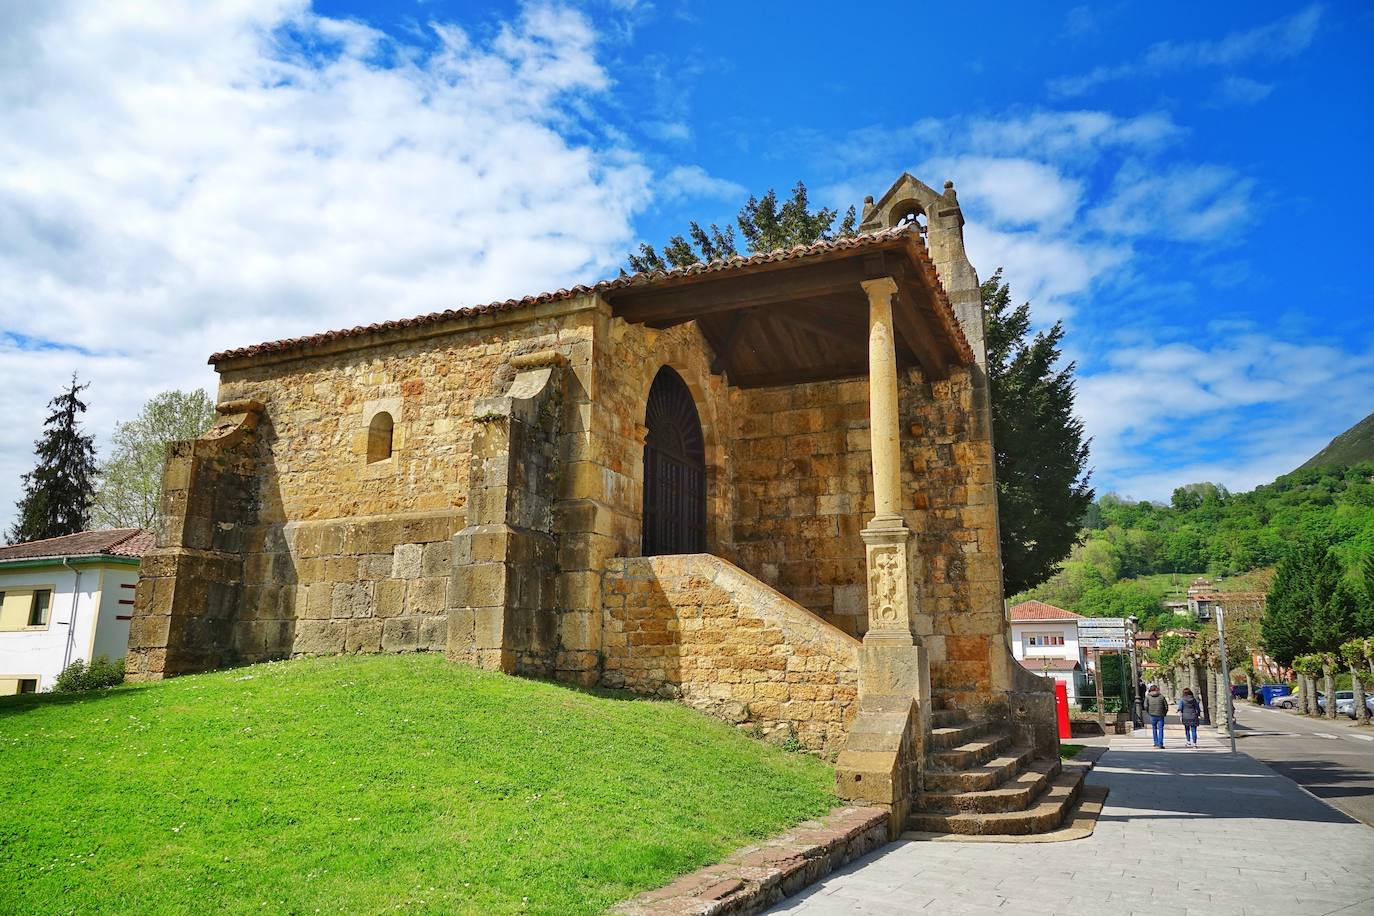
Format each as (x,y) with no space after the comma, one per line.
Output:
(665,308)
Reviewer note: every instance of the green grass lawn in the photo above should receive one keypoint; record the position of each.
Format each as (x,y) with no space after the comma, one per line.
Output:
(372,783)
(1068,750)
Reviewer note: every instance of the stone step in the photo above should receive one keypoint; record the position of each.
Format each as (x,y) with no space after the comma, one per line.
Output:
(945,737)
(1016,794)
(943,718)
(976,779)
(1045,813)
(970,754)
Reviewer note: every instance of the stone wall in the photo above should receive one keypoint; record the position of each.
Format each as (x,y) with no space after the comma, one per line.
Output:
(699,628)
(803,490)
(362,585)
(950,460)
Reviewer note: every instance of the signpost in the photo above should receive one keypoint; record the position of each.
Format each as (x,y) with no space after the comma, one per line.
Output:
(1226,680)
(1098,633)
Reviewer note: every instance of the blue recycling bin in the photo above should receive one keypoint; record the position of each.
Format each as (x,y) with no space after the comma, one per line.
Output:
(1269,691)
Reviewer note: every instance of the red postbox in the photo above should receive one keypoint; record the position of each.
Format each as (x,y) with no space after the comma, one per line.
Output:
(1061,709)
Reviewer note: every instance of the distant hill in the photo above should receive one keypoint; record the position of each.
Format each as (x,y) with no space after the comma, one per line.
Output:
(1354,445)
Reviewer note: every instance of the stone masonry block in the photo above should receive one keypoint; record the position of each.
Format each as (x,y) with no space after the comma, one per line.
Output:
(436,559)
(364,635)
(400,634)
(407,561)
(427,596)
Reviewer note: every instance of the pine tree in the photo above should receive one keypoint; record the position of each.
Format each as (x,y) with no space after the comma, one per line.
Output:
(1291,603)
(58,492)
(764,225)
(1042,487)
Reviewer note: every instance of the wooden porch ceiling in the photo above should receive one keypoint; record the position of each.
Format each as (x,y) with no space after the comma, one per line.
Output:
(803,319)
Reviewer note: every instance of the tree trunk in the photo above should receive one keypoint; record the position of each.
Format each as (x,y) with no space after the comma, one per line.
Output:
(1209,691)
(1361,711)
(1223,687)
(1329,675)
(1250,692)
(1309,695)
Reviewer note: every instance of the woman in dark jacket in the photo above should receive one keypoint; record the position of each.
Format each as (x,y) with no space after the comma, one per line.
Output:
(1190,711)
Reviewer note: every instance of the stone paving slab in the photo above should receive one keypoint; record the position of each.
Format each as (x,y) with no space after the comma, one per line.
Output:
(1182,831)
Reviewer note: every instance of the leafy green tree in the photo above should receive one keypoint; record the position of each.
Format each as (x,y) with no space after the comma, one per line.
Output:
(130,486)
(1042,484)
(57,492)
(765,225)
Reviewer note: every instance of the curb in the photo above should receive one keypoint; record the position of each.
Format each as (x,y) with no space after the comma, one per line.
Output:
(758,876)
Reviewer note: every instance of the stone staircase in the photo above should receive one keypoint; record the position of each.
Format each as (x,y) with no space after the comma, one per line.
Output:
(978,783)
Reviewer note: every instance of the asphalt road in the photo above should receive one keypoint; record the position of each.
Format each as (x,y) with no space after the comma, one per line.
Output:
(1332,760)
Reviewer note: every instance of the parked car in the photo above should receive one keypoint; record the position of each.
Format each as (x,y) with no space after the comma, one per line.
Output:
(1345,703)
(1294,701)
(1342,696)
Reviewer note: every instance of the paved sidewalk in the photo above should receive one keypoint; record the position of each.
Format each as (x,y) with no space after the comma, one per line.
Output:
(1183,831)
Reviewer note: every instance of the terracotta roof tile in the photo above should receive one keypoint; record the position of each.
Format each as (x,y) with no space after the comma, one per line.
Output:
(647,278)
(1039,610)
(116,542)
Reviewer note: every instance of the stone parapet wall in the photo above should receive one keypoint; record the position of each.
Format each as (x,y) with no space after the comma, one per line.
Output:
(699,628)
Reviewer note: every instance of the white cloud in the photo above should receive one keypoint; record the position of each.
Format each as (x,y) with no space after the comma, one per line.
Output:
(1013,191)
(1241,90)
(692,181)
(1277,40)
(1195,202)
(196,175)
(1238,409)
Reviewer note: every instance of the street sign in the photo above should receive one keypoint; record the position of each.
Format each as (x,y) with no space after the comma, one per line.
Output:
(1102,633)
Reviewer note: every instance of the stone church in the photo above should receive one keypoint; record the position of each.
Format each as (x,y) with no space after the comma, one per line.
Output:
(762,486)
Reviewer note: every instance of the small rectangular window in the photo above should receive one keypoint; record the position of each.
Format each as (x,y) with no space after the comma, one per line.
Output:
(38,610)
(28,685)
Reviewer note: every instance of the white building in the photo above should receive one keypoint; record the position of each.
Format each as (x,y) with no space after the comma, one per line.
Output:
(64,599)
(1044,639)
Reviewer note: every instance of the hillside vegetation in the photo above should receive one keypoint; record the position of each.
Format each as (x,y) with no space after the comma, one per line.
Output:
(1132,555)
(363,784)
(1351,447)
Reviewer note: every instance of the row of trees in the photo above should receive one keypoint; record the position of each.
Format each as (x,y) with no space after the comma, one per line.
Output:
(68,491)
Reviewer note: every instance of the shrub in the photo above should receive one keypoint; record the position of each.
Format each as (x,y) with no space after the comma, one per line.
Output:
(98,675)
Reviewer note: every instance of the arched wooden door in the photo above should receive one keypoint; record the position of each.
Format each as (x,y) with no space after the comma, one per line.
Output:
(674,470)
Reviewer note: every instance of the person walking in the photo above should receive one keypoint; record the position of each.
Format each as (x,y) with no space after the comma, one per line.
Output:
(1190,711)
(1156,707)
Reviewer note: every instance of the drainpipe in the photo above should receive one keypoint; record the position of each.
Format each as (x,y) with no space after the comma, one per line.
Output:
(71,618)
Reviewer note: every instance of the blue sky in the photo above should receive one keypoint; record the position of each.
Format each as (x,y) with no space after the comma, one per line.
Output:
(1184,185)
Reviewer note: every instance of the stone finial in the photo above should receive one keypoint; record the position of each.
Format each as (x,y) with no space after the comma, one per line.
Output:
(949,190)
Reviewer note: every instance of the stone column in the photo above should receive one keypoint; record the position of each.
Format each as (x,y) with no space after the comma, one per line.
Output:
(890,611)
(883,755)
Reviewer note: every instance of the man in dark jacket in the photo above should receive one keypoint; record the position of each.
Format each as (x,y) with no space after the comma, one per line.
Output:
(1156,707)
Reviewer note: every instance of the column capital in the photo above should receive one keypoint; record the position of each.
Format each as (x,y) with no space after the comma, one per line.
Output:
(881,286)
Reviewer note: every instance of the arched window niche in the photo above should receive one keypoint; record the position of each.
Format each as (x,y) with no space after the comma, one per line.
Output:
(380,433)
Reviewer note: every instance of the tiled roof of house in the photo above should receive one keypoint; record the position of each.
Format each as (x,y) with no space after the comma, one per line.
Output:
(944,310)
(115,542)
(1036,665)
(1039,610)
